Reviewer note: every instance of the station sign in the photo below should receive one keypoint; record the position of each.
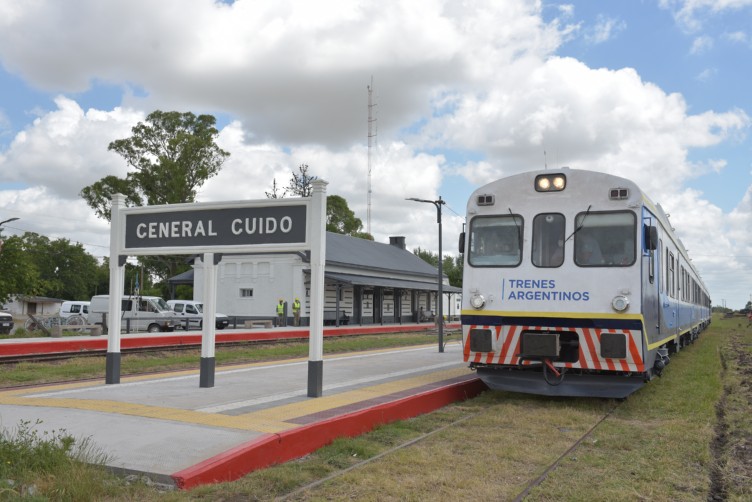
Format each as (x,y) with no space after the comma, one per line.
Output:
(282,225)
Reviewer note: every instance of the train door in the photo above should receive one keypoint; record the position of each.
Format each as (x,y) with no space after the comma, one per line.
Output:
(669,306)
(650,268)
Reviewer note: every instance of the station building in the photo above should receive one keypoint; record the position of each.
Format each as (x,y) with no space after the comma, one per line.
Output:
(367,282)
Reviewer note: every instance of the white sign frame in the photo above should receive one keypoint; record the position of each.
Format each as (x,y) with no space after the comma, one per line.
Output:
(211,249)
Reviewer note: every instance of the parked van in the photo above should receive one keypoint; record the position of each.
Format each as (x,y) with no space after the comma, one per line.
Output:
(69,309)
(139,313)
(192,312)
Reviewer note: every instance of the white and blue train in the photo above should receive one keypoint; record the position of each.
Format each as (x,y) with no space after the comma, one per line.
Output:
(574,285)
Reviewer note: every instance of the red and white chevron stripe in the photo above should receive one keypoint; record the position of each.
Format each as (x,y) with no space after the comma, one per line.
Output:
(507,341)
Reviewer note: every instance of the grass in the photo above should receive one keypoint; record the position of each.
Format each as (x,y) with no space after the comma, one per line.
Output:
(50,466)
(656,445)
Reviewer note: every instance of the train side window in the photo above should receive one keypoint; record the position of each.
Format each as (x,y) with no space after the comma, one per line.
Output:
(662,271)
(605,239)
(495,241)
(670,274)
(548,240)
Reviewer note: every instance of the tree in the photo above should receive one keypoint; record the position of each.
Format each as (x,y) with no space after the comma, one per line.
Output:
(452,266)
(173,155)
(18,272)
(35,265)
(275,192)
(66,270)
(301,184)
(339,217)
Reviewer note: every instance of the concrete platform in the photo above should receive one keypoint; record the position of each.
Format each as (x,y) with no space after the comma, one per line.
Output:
(176,432)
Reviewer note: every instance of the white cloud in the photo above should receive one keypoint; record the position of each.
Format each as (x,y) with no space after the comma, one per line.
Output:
(689,13)
(66,149)
(706,75)
(291,77)
(605,29)
(701,45)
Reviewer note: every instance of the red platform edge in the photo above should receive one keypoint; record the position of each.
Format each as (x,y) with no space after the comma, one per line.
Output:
(271,449)
(67,346)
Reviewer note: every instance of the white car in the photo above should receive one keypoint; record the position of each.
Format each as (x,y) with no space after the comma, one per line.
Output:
(194,311)
(71,308)
(6,323)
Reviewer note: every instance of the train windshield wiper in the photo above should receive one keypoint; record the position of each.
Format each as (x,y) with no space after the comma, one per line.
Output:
(582,223)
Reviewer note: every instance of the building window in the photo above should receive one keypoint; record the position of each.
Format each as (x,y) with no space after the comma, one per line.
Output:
(246,292)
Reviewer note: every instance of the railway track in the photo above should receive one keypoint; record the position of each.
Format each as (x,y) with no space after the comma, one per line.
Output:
(456,428)
(449,333)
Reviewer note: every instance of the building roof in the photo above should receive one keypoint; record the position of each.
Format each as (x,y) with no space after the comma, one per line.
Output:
(362,254)
(348,251)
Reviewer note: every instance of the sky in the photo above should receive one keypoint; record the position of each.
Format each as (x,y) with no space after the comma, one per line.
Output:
(463,93)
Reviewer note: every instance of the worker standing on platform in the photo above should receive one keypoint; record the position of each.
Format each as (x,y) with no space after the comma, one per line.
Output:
(296,311)
(281,313)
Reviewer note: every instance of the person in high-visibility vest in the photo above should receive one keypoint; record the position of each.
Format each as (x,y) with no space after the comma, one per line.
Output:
(296,311)
(281,313)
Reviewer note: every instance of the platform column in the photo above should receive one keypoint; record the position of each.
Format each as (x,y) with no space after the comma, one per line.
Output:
(318,258)
(117,262)
(206,378)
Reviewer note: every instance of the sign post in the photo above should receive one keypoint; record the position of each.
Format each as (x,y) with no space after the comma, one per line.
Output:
(117,262)
(318,259)
(206,377)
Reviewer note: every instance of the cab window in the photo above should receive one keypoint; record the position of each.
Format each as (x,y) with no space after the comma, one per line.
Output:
(495,241)
(605,239)
(548,240)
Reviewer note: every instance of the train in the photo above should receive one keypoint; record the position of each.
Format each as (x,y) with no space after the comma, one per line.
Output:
(574,284)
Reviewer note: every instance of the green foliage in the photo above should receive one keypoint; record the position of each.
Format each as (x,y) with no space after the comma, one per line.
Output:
(452,266)
(173,155)
(18,270)
(340,219)
(27,451)
(33,264)
(66,269)
(51,465)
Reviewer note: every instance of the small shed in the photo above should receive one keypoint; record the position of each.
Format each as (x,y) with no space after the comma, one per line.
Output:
(21,305)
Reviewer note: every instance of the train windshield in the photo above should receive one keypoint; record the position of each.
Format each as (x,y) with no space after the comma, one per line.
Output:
(548,240)
(605,239)
(495,241)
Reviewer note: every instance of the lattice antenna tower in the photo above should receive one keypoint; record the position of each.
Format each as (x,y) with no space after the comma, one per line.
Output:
(372,141)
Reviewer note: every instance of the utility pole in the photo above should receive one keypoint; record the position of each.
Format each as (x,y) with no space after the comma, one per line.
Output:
(372,133)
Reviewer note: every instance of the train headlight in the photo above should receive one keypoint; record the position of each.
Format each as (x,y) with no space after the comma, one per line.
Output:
(477,301)
(620,303)
(550,182)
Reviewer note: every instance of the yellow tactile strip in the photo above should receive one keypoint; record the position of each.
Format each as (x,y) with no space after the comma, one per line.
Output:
(271,420)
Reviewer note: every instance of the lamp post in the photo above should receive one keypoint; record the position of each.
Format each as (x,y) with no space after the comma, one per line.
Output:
(440,296)
(7,221)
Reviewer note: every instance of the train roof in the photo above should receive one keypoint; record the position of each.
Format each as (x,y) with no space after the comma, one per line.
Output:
(528,178)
